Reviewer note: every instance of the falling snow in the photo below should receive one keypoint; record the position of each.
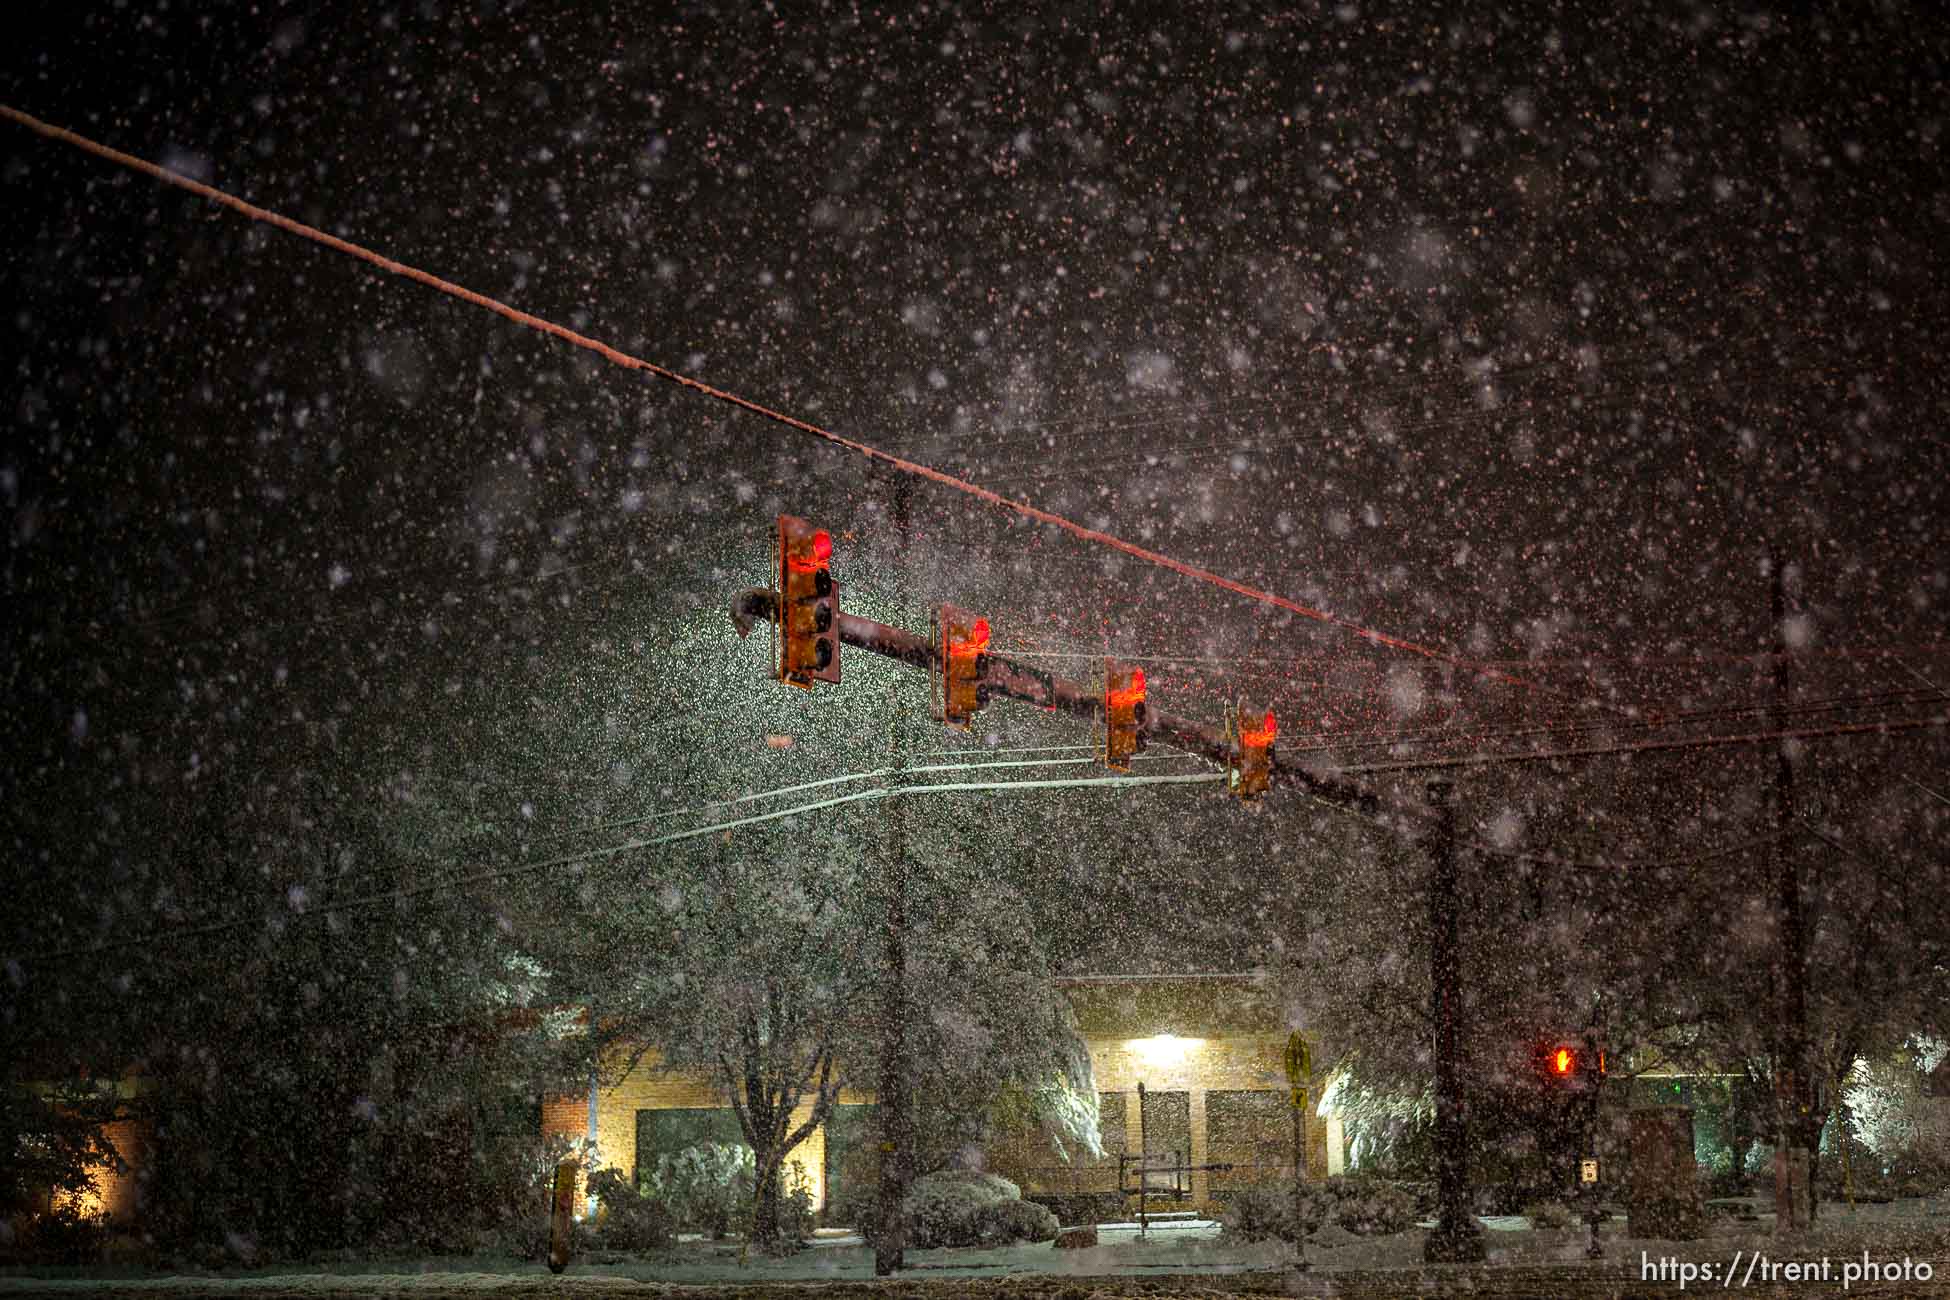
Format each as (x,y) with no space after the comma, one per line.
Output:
(1539,418)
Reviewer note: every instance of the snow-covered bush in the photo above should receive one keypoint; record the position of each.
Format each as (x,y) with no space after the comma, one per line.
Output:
(945,1208)
(625,1219)
(1001,1222)
(706,1188)
(1365,1206)
(1390,1130)
(1549,1214)
(1266,1214)
(1370,1207)
(959,1207)
(1905,1130)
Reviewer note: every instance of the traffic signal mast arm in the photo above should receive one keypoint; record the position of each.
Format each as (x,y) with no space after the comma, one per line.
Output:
(1008,678)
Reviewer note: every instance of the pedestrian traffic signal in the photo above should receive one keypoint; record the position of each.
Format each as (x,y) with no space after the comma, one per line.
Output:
(1253,742)
(961,661)
(806,618)
(1124,715)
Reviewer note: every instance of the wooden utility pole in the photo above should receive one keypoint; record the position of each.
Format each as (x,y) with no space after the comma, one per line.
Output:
(896,1126)
(1793,1081)
(1457,1238)
(896,1132)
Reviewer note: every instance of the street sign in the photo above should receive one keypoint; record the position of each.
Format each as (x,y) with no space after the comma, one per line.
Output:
(1299,1060)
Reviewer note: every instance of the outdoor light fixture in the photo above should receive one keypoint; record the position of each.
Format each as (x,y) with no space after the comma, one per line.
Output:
(1164,1050)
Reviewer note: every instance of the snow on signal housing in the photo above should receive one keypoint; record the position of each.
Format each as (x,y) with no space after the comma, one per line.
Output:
(1252,772)
(806,616)
(1125,714)
(960,662)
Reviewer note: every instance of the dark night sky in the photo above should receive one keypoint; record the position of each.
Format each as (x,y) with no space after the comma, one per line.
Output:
(1520,334)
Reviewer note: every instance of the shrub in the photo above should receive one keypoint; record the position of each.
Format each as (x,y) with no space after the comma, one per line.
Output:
(64,1235)
(1548,1214)
(1370,1207)
(944,1208)
(1362,1205)
(857,1207)
(1001,1222)
(627,1220)
(1266,1214)
(517,1218)
(795,1208)
(707,1187)
(958,1207)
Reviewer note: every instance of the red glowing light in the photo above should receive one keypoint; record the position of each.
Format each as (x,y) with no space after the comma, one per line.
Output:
(1263,737)
(1131,694)
(1561,1060)
(978,640)
(809,555)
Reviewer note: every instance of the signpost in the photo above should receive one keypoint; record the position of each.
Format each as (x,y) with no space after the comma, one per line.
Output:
(562,1216)
(1299,1077)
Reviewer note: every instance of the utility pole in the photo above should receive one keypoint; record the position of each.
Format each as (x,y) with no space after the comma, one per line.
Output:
(1793,1100)
(896,1127)
(1457,1238)
(896,1132)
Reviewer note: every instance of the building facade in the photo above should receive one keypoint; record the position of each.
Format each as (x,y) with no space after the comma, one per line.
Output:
(1190,1071)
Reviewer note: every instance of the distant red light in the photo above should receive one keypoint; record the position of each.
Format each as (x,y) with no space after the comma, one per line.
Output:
(1561,1060)
(822,546)
(1137,681)
(1272,726)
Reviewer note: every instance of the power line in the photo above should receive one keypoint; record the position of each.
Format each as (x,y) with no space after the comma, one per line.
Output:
(825,782)
(397,896)
(629,362)
(1646,747)
(1624,864)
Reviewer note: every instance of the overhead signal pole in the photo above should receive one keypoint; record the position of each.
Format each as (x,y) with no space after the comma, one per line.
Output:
(1002,677)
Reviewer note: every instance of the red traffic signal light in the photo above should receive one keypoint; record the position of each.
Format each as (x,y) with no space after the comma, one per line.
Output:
(1563,1064)
(1124,715)
(961,642)
(1254,738)
(807,617)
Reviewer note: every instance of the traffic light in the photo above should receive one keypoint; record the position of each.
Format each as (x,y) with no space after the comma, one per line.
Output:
(1568,1066)
(1124,715)
(1254,771)
(807,617)
(961,642)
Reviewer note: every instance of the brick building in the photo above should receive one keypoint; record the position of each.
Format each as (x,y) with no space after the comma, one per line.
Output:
(1209,1050)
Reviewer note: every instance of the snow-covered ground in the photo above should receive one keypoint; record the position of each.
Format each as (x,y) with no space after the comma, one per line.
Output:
(1177,1259)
